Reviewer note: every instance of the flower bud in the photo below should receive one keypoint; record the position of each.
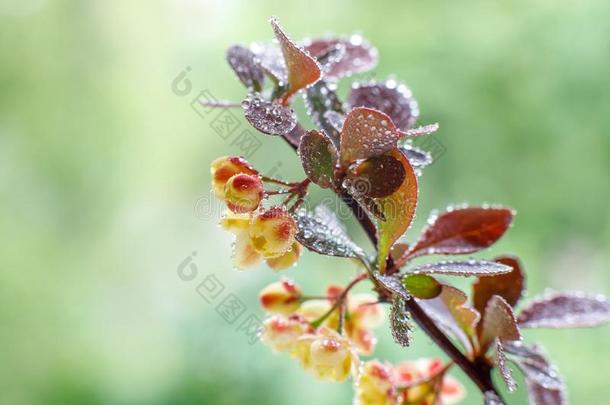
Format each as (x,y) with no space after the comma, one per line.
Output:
(243,193)
(282,334)
(376,385)
(287,259)
(272,232)
(282,297)
(331,356)
(224,168)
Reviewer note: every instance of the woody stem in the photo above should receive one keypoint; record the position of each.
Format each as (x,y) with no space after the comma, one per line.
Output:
(479,372)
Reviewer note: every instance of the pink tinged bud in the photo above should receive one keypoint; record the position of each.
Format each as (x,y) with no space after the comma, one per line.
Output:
(224,168)
(282,297)
(244,253)
(286,260)
(282,334)
(244,193)
(272,232)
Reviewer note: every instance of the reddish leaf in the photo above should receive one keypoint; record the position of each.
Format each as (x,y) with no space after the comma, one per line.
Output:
(451,312)
(366,133)
(566,310)
(270,59)
(358,55)
(398,210)
(294,136)
(390,97)
(377,176)
(321,99)
(533,363)
(318,157)
(538,395)
(302,69)
(422,131)
(398,250)
(417,157)
(268,117)
(246,66)
(462,230)
(462,268)
(509,286)
(498,323)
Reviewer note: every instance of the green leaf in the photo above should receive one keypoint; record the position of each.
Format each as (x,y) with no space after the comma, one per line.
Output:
(422,286)
(318,157)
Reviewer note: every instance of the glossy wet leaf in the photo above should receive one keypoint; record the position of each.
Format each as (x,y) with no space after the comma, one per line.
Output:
(390,97)
(335,120)
(505,371)
(421,131)
(398,210)
(461,268)
(268,117)
(329,56)
(321,232)
(538,395)
(509,286)
(422,286)
(318,157)
(566,310)
(378,176)
(400,322)
(271,60)
(498,323)
(366,133)
(246,66)
(358,55)
(462,230)
(393,285)
(417,157)
(452,314)
(302,69)
(321,99)
(534,365)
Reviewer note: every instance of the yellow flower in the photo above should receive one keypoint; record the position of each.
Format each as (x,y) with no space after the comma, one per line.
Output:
(327,355)
(272,232)
(376,385)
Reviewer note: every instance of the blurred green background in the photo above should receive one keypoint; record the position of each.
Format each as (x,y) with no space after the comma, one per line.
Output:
(105,178)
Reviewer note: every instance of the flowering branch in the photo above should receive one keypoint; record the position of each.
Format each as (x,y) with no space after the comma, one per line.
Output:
(363,152)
